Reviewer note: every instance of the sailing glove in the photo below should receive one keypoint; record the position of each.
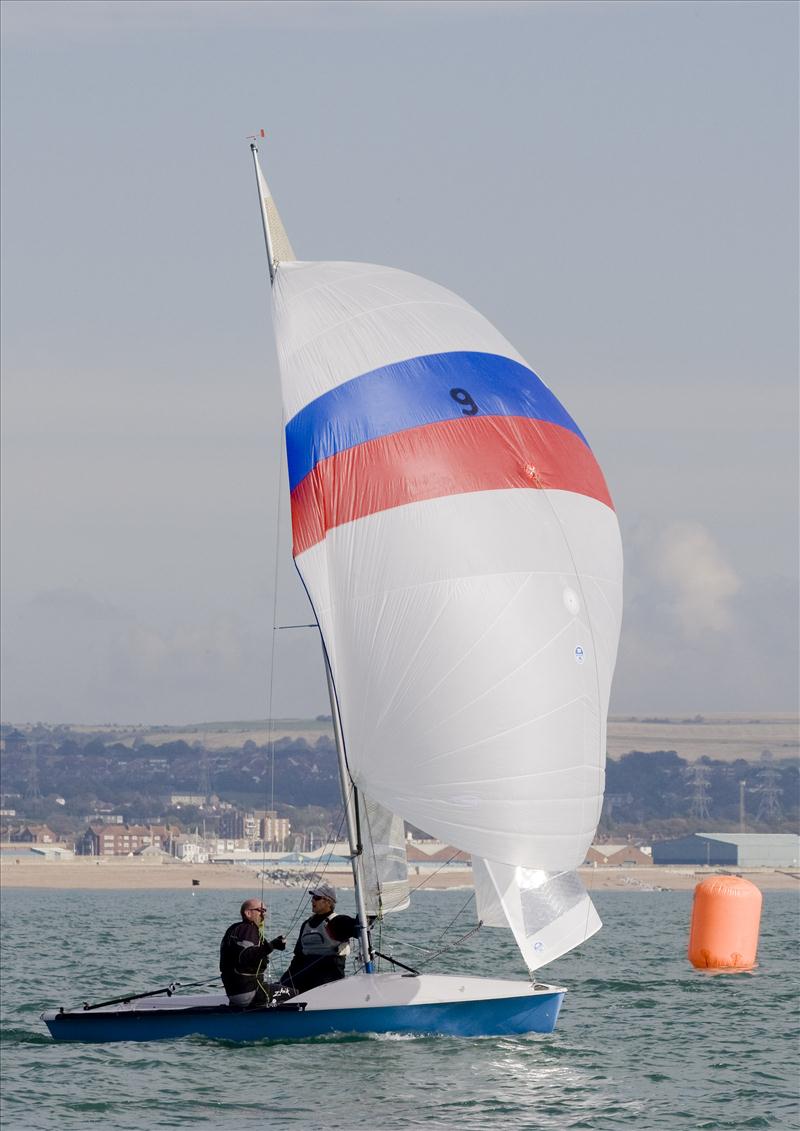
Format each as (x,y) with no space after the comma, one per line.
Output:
(278,943)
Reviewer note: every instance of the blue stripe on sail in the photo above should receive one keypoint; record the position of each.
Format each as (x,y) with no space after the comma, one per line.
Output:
(413,393)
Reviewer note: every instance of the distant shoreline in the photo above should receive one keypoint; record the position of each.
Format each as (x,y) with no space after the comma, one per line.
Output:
(137,875)
(723,737)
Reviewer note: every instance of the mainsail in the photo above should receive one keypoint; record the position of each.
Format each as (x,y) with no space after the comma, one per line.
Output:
(462,554)
(384,858)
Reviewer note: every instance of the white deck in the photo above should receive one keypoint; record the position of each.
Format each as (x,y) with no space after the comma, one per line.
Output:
(364,991)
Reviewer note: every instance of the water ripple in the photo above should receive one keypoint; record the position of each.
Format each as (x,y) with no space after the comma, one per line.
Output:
(644,1042)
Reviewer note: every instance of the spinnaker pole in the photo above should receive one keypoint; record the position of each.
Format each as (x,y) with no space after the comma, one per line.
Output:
(351,818)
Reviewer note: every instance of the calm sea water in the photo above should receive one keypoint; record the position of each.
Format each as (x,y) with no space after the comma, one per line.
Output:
(643,1041)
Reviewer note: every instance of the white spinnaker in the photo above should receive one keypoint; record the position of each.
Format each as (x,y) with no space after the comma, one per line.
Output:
(550,913)
(462,703)
(335,321)
(471,637)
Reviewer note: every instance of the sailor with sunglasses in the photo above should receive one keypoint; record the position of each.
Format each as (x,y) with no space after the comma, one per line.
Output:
(243,956)
(322,945)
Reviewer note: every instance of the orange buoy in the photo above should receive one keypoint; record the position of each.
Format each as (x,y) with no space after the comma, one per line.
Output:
(726,914)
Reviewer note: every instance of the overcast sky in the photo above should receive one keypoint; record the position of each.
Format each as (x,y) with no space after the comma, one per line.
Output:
(614,185)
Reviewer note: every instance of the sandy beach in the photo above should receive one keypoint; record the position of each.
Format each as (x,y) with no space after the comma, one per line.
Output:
(132,874)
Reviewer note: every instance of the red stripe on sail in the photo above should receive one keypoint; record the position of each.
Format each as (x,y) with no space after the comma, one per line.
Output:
(451,457)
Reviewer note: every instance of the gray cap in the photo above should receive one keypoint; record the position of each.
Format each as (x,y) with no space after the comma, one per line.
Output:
(326,891)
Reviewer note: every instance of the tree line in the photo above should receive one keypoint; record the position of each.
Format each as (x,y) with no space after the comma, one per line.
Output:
(646,792)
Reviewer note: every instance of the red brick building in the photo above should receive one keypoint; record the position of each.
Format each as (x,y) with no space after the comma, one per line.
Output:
(617,855)
(33,834)
(120,840)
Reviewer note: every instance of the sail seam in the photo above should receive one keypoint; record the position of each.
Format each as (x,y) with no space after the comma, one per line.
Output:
(301,292)
(498,683)
(454,578)
(367,314)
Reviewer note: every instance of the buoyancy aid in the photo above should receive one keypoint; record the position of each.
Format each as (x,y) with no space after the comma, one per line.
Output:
(317,943)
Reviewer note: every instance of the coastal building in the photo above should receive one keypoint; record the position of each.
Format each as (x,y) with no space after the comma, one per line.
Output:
(235,824)
(196,799)
(618,856)
(190,851)
(120,840)
(225,848)
(262,825)
(449,855)
(7,823)
(735,850)
(33,834)
(274,830)
(153,853)
(14,742)
(432,855)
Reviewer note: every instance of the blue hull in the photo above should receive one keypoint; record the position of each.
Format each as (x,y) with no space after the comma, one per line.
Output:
(487,1018)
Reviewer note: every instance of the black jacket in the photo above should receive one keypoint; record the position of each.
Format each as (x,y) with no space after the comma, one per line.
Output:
(307,971)
(243,957)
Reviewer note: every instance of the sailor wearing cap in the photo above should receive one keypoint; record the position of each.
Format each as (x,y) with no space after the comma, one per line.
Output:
(322,945)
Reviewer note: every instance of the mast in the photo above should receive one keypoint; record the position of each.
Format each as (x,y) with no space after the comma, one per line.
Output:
(349,799)
(279,249)
(278,246)
(262,204)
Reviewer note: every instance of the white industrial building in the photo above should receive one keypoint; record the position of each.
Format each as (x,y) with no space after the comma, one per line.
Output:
(737,850)
(762,850)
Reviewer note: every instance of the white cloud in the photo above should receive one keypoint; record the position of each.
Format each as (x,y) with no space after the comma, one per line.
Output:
(699,635)
(700,582)
(151,653)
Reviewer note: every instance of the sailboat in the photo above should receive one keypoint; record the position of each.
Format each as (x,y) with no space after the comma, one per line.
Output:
(462,557)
